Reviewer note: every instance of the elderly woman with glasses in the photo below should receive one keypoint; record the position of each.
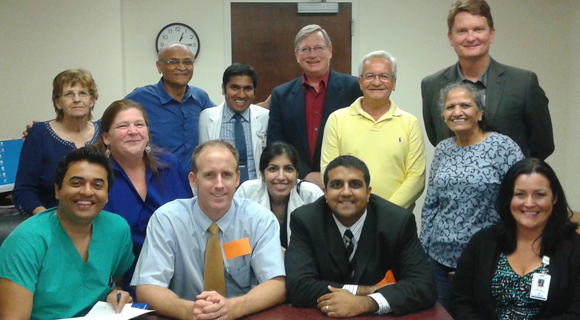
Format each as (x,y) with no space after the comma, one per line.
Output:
(74,93)
(463,181)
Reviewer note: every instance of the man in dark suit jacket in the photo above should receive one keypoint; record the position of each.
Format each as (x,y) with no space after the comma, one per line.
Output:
(342,246)
(299,108)
(514,102)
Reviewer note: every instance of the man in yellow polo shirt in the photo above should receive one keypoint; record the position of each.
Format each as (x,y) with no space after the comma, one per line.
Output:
(388,139)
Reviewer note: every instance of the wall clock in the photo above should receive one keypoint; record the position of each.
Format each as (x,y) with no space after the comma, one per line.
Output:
(178,32)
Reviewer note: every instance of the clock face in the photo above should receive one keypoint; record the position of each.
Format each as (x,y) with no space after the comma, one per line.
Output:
(178,32)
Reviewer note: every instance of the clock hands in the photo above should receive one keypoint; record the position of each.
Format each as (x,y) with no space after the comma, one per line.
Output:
(181,37)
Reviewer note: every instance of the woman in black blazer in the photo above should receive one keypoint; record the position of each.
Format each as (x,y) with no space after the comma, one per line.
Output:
(496,271)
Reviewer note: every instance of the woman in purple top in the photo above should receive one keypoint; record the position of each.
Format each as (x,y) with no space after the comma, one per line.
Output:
(74,94)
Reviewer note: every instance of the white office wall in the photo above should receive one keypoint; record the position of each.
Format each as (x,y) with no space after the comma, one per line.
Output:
(567,158)
(39,39)
(115,40)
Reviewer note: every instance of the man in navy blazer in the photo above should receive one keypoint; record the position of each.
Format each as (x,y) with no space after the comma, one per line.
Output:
(343,244)
(299,108)
(514,102)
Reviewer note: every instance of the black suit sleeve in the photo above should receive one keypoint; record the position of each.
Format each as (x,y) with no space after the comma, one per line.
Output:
(464,303)
(572,312)
(427,115)
(415,288)
(303,283)
(537,120)
(274,125)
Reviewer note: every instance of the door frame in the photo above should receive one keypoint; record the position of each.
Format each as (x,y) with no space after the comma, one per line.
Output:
(354,57)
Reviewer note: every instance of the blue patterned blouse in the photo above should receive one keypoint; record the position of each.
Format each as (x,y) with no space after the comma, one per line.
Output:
(461,194)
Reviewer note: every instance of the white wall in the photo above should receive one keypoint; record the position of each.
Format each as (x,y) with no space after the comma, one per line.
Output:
(39,39)
(115,40)
(142,20)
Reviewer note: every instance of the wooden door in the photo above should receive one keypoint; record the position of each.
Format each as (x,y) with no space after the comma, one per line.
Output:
(263,37)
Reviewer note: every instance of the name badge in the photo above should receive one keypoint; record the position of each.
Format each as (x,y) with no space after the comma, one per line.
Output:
(237,248)
(540,286)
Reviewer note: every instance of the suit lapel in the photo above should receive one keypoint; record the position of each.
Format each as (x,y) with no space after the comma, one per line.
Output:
(336,246)
(495,85)
(366,245)
(299,109)
(215,126)
(450,76)
(256,133)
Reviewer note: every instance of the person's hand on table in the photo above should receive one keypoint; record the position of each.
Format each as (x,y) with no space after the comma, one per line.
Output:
(341,303)
(210,305)
(125,298)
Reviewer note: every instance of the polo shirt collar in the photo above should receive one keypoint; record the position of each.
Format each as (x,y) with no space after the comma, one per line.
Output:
(357,109)
(482,78)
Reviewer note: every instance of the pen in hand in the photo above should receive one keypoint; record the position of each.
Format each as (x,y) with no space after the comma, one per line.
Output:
(118,296)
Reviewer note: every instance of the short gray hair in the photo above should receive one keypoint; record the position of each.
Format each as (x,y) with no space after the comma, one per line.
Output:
(379,54)
(477,96)
(308,30)
(473,91)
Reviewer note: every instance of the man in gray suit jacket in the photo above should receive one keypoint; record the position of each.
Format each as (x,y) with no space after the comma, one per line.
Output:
(238,86)
(514,102)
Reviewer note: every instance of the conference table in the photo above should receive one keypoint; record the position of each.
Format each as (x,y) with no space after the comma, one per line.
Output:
(286,312)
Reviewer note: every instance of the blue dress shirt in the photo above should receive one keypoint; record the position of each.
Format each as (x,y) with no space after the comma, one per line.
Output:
(173,124)
(227,133)
(173,255)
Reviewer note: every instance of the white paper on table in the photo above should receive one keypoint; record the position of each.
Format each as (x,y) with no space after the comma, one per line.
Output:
(104,310)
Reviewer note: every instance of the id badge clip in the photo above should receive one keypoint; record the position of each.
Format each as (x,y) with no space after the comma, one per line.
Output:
(541,282)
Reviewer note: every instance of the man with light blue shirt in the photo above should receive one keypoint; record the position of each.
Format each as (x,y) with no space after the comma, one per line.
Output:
(173,106)
(172,270)
(237,120)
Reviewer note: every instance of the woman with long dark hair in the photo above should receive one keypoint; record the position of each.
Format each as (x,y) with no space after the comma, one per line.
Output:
(280,190)
(528,265)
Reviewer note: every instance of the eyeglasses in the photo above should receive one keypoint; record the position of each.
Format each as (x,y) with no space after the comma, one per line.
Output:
(71,95)
(370,77)
(176,62)
(317,49)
